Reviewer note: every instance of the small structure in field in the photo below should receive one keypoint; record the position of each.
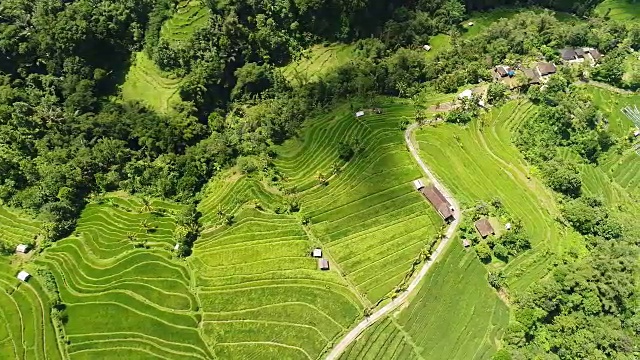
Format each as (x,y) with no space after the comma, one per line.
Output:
(418,184)
(484,227)
(426,47)
(466,243)
(439,202)
(23,276)
(481,103)
(176,247)
(470,23)
(23,248)
(360,114)
(465,94)
(323,264)
(636,133)
(316,253)
(507,226)
(532,75)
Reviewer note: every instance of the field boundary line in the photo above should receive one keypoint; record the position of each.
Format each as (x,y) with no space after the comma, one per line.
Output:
(413,286)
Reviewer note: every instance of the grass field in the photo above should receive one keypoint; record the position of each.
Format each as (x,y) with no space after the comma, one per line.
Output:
(189,16)
(479,162)
(146,83)
(137,303)
(261,293)
(318,61)
(454,315)
(369,217)
(622,10)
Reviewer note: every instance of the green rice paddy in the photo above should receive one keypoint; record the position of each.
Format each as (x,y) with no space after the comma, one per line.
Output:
(479,163)
(454,315)
(622,10)
(17,228)
(189,16)
(146,83)
(318,61)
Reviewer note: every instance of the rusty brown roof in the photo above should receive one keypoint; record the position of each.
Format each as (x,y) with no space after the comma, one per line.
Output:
(438,201)
(484,227)
(546,68)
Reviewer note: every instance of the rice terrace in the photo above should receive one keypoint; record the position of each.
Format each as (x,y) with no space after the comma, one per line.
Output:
(319,180)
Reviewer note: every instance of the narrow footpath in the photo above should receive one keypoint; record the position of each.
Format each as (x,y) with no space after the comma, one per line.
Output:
(339,348)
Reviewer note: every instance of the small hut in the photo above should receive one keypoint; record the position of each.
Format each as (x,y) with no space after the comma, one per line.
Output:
(439,202)
(23,248)
(316,253)
(360,114)
(176,247)
(426,47)
(418,184)
(484,228)
(323,264)
(507,226)
(465,94)
(466,243)
(23,276)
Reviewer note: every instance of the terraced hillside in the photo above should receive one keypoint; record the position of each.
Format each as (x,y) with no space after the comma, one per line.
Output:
(454,315)
(124,301)
(147,84)
(16,229)
(318,61)
(26,330)
(261,293)
(189,16)
(368,217)
(621,10)
(479,162)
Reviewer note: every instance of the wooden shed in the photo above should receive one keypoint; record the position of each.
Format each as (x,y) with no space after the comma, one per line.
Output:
(484,228)
(323,264)
(437,199)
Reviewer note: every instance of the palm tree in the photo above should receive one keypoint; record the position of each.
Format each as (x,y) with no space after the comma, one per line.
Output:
(146,205)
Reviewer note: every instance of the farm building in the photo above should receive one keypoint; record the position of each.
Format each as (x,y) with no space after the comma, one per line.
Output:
(22,248)
(23,276)
(465,94)
(323,264)
(532,75)
(426,47)
(418,184)
(176,247)
(578,55)
(545,68)
(316,253)
(507,226)
(568,54)
(484,228)
(636,133)
(466,243)
(438,201)
(360,114)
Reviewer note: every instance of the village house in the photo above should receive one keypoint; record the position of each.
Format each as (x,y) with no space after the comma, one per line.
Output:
(418,184)
(323,264)
(580,54)
(22,248)
(484,228)
(466,243)
(545,69)
(439,202)
(316,253)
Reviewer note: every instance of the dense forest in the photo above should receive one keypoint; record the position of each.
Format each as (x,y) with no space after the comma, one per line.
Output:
(65,135)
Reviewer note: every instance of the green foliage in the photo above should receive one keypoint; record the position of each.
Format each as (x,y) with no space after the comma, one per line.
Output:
(483,251)
(496,92)
(563,177)
(497,279)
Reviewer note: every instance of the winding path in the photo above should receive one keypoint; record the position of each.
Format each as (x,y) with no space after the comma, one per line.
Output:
(395,303)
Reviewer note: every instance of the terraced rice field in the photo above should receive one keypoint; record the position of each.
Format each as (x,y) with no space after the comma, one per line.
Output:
(189,17)
(26,330)
(621,10)
(146,83)
(454,315)
(261,293)
(479,162)
(17,229)
(318,61)
(369,218)
(617,177)
(123,301)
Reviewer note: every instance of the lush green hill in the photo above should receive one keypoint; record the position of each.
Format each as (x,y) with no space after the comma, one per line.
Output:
(368,216)
(317,61)
(454,315)
(131,302)
(622,10)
